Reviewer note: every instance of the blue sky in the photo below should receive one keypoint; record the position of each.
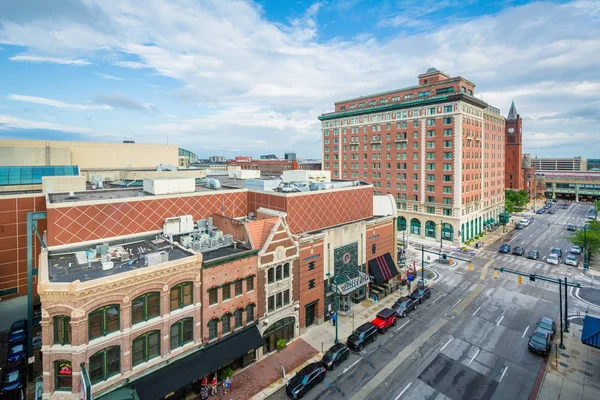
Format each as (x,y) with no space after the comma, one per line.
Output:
(249,78)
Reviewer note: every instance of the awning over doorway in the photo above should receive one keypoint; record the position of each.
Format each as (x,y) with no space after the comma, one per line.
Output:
(183,372)
(590,334)
(382,268)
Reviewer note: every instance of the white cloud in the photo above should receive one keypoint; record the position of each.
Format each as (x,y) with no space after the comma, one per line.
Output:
(57,103)
(50,60)
(131,64)
(10,122)
(111,77)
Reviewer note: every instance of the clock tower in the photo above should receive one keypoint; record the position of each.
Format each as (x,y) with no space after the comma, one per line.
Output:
(513,151)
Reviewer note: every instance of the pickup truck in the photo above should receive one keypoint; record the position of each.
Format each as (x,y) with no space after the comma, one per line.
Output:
(384,319)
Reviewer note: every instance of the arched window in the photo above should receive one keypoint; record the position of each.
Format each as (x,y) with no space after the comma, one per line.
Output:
(239,318)
(401,223)
(250,313)
(103,321)
(62,330)
(105,363)
(225,323)
(278,273)
(430,229)
(286,270)
(213,296)
(271,275)
(182,332)
(145,307)
(145,347)
(182,295)
(415,226)
(213,329)
(63,376)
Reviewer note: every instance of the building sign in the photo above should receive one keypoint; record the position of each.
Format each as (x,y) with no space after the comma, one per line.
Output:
(345,262)
(243,159)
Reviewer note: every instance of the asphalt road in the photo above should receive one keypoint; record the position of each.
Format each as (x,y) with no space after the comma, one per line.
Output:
(469,341)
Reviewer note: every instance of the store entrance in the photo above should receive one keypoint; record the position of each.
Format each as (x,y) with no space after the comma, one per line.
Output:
(282,329)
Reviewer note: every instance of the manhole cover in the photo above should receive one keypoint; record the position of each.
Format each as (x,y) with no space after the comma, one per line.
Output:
(588,363)
(562,364)
(449,316)
(565,355)
(588,374)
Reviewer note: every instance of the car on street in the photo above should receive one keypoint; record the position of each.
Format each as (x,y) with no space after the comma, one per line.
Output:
(572,260)
(571,227)
(422,293)
(520,225)
(16,352)
(547,206)
(533,254)
(335,355)
(384,319)
(540,342)
(18,331)
(575,249)
(556,250)
(551,211)
(505,248)
(547,324)
(518,251)
(13,382)
(307,378)
(565,206)
(553,259)
(540,211)
(404,305)
(364,334)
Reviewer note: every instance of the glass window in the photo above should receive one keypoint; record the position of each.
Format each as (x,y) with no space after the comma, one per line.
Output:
(63,375)
(271,303)
(213,330)
(278,300)
(213,296)
(250,313)
(145,307)
(182,332)
(286,297)
(105,364)
(181,295)
(271,275)
(103,321)
(145,347)
(286,270)
(62,330)
(278,273)
(249,284)
(239,287)
(226,323)
(226,291)
(239,318)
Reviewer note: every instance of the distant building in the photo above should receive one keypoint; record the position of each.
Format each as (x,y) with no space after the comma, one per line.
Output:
(216,159)
(186,157)
(573,164)
(290,156)
(269,157)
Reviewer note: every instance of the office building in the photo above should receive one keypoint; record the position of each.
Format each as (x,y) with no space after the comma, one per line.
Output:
(573,164)
(290,156)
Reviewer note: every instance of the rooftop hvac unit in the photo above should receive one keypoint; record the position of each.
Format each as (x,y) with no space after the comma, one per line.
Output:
(124,256)
(157,258)
(202,225)
(228,239)
(196,246)
(213,183)
(217,234)
(171,226)
(81,257)
(185,241)
(102,249)
(213,242)
(203,237)
(186,224)
(108,265)
(105,258)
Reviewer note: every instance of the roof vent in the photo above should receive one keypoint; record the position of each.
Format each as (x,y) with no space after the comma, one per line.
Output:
(431,70)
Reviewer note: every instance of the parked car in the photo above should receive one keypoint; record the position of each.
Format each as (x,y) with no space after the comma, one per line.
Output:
(307,378)
(364,334)
(548,325)
(520,225)
(505,248)
(518,251)
(404,305)
(533,254)
(13,382)
(551,211)
(575,250)
(16,352)
(556,250)
(540,211)
(572,260)
(422,293)
(571,227)
(335,355)
(547,206)
(384,319)
(553,259)
(565,206)
(539,342)
(18,331)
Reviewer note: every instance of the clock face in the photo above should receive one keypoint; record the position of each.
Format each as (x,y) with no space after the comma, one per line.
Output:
(511,130)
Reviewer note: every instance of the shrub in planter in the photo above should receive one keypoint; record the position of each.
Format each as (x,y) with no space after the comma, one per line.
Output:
(280,344)
(226,373)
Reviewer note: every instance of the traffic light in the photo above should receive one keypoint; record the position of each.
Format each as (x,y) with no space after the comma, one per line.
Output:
(532,277)
(495,274)
(470,267)
(520,279)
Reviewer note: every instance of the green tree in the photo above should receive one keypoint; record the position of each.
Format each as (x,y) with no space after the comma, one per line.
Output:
(591,237)
(515,200)
(509,205)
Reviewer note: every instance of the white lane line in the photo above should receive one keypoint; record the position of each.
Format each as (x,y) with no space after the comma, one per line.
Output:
(402,326)
(455,304)
(402,392)
(477,310)
(447,343)
(526,329)
(355,362)
(503,372)
(475,355)
(500,320)
(437,299)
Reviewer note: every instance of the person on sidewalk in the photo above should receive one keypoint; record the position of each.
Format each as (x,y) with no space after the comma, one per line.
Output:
(333,318)
(213,385)
(227,385)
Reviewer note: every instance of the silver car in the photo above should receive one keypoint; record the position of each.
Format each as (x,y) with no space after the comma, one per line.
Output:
(575,250)
(553,259)
(572,259)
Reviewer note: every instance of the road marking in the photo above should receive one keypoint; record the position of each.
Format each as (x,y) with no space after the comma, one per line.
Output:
(477,310)
(526,329)
(503,372)
(348,369)
(402,326)
(477,352)
(437,299)
(500,320)
(402,392)
(455,304)
(447,343)
(485,270)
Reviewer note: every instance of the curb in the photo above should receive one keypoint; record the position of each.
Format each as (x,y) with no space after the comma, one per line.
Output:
(539,379)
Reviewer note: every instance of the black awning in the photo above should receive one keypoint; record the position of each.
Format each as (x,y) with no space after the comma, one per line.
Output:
(382,268)
(183,372)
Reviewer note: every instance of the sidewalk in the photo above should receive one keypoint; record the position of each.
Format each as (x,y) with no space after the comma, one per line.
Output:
(573,372)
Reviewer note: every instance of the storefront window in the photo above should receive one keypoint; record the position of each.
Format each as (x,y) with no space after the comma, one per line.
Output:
(282,329)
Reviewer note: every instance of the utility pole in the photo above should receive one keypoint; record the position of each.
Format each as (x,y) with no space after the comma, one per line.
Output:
(441,235)
(423,264)
(566,309)
(337,299)
(585,254)
(561,345)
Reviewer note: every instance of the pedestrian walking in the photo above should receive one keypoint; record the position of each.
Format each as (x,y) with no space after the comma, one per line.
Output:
(203,393)
(333,318)
(227,385)
(213,385)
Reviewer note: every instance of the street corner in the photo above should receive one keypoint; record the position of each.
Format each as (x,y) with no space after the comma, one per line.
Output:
(588,295)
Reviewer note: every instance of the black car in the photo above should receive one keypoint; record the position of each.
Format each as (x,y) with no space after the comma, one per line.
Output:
(556,250)
(18,331)
(307,378)
(548,325)
(540,211)
(366,333)
(13,382)
(518,251)
(422,293)
(565,207)
(505,248)
(335,355)
(533,254)
(571,227)
(540,342)
(551,211)
(404,305)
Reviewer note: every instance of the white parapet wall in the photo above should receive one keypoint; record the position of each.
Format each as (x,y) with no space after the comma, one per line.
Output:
(162,186)
(63,184)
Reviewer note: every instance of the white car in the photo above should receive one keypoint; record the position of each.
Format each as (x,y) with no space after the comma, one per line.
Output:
(575,250)
(572,259)
(553,259)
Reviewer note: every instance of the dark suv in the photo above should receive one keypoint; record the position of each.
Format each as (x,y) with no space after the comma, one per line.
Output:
(422,293)
(404,305)
(366,333)
(384,319)
(505,248)
(335,355)
(305,379)
(518,251)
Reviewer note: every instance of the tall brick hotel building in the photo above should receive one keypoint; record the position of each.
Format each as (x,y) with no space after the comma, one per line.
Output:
(435,147)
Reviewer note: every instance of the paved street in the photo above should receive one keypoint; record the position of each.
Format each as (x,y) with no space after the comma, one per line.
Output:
(469,341)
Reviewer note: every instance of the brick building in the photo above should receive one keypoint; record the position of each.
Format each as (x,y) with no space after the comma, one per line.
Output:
(514,150)
(435,147)
(273,167)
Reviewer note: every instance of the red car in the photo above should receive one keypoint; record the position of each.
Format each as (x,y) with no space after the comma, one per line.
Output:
(384,319)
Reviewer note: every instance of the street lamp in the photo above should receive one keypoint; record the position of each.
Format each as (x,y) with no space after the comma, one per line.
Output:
(585,255)
(423,264)
(337,299)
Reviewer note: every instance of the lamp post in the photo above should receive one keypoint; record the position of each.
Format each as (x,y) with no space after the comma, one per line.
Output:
(566,309)
(441,235)
(337,299)
(423,264)
(561,345)
(585,255)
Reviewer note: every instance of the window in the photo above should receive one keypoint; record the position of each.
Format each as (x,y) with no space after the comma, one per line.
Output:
(373,248)
(446,108)
(271,275)
(431,122)
(286,297)
(447,143)
(145,347)
(271,303)
(103,321)
(431,111)
(447,211)
(145,307)
(431,210)
(104,364)
(239,290)
(311,284)
(226,291)
(286,270)
(239,318)
(213,329)
(250,313)
(447,120)
(182,332)
(226,323)
(447,189)
(249,284)
(447,178)
(447,132)
(279,300)
(62,330)
(278,273)
(63,375)
(181,295)
(213,296)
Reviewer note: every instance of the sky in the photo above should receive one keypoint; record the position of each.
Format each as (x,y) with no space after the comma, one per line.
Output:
(241,77)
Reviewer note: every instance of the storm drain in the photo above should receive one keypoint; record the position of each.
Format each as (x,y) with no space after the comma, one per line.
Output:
(562,364)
